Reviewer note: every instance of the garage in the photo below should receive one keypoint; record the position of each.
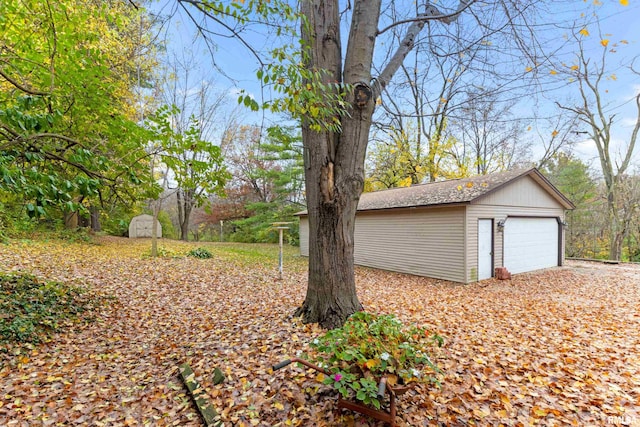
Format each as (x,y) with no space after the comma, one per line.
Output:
(459,230)
(530,243)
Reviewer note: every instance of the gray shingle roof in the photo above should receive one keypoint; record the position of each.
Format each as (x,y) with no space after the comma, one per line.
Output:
(455,191)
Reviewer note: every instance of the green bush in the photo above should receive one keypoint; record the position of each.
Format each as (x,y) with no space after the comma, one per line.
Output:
(201,253)
(371,346)
(33,309)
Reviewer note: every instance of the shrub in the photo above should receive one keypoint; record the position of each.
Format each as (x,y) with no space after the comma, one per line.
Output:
(201,253)
(371,346)
(32,309)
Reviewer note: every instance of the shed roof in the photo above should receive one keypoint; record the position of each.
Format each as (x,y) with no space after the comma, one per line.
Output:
(454,191)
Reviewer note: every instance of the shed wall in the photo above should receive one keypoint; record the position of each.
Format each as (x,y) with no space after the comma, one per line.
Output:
(304,235)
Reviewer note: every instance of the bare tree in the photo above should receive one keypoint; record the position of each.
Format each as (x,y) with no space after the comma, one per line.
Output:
(490,134)
(596,114)
(192,153)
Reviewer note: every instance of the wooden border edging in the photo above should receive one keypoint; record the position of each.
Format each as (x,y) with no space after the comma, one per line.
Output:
(206,409)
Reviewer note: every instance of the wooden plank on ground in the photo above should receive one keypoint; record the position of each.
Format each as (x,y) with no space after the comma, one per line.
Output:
(206,409)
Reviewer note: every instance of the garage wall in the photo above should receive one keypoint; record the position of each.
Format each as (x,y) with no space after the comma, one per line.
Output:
(497,213)
(525,192)
(424,242)
(420,241)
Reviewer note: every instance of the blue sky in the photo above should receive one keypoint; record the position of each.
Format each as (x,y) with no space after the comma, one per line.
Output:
(617,23)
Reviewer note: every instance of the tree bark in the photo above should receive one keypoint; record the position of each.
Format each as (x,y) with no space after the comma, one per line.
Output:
(334,162)
(185,203)
(95,219)
(334,165)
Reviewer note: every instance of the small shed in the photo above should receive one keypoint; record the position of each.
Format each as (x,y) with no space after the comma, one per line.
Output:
(460,230)
(141,226)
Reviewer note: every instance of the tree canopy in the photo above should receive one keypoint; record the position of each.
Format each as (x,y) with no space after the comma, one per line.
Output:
(69,129)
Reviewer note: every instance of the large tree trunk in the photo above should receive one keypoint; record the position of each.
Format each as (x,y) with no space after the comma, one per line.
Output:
(334,162)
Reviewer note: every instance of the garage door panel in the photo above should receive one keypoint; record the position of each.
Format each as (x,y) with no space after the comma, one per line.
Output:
(530,244)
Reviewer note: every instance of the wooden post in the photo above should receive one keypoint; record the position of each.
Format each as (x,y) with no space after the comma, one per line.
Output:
(280,226)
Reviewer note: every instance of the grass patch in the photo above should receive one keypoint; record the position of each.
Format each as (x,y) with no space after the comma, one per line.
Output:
(32,309)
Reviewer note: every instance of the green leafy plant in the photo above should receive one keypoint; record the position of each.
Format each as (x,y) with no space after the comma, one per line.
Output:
(369,347)
(32,309)
(202,253)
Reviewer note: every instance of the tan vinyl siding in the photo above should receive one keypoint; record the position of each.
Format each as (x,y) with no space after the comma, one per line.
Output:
(304,236)
(424,242)
(482,211)
(524,192)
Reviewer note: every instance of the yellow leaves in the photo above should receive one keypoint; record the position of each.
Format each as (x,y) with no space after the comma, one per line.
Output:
(574,67)
(528,69)
(539,412)
(604,42)
(279,406)
(624,2)
(529,128)
(443,100)
(459,187)
(320,377)
(405,182)
(553,72)
(584,32)
(392,380)
(371,363)
(469,184)
(554,133)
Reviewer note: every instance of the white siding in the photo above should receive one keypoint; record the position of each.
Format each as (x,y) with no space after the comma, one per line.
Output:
(304,236)
(424,242)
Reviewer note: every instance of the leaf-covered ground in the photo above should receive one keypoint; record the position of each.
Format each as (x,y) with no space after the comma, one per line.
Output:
(559,347)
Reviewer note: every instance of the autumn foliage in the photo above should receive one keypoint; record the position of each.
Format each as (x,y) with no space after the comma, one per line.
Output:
(553,348)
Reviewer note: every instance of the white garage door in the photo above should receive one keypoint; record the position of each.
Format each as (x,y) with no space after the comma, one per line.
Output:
(530,244)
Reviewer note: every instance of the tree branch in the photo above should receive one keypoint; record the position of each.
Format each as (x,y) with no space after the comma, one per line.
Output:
(235,34)
(21,87)
(407,43)
(432,14)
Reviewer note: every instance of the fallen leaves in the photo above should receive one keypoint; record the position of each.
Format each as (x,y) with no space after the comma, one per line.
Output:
(558,347)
